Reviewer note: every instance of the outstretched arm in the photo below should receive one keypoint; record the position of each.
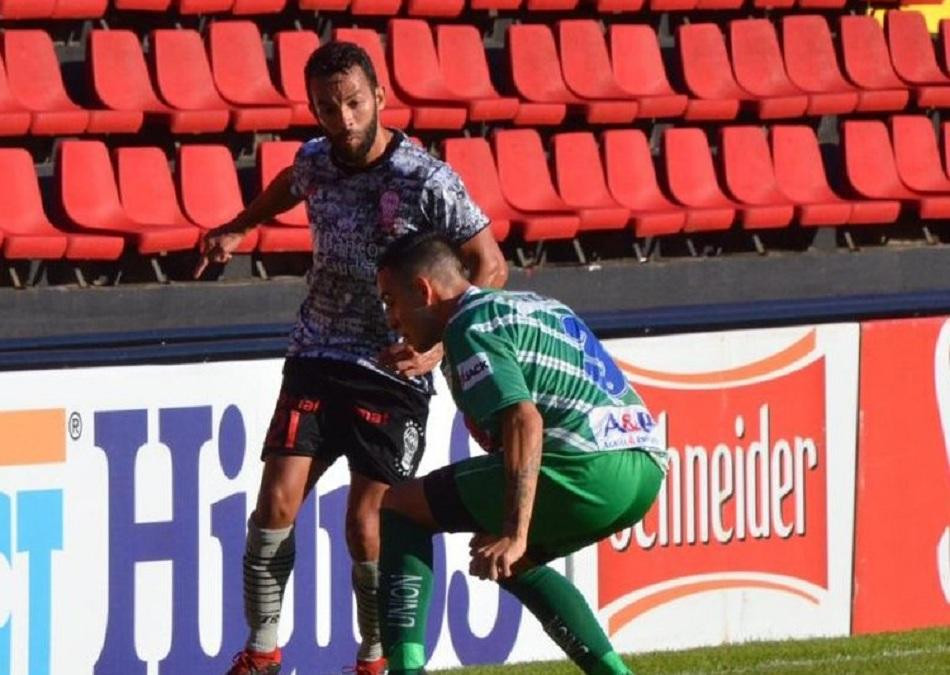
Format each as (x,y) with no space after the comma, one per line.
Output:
(218,244)
(493,557)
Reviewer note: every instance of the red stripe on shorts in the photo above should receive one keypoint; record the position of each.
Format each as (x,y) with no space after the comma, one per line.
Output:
(292,426)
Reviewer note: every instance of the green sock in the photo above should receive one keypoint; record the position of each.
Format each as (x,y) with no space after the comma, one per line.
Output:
(567,618)
(405,586)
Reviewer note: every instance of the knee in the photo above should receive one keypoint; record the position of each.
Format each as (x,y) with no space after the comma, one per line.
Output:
(276,510)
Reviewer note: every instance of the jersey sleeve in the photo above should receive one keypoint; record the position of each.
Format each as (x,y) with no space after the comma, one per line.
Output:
(302,174)
(486,374)
(450,208)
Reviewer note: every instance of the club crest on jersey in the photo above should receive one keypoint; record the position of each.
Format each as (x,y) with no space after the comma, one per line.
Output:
(616,427)
(473,370)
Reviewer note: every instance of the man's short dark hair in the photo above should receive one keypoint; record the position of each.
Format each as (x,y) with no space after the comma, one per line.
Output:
(334,58)
(421,252)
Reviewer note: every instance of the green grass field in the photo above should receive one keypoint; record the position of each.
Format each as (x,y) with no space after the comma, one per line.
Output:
(923,651)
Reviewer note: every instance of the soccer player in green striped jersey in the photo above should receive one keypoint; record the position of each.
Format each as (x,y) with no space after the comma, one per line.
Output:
(572,453)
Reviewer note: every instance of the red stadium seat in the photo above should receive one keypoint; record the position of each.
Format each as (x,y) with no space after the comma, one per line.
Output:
(550,5)
(638,68)
(536,73)
(90,199)
(146,187)
(25,232)
(800,175)
(871,169)
(121,80)
(708,73)
(239,66)
(472,159)
(692,180)
(418,76)
(397,112)
(29,234)
(184,81)
(494,4)
(526,180)
(120,77)
(813,66)
(242,7)
(912,53)
(760,70)
(750,177)
(821,4)
(613,6)
(325,5)
(291,229)
(147,5)
(773,4)
(586,65)
(204,6)
(465,69)
(14,118)
(672,5)
(917,154)
(79,9)
(581,182)
(36,83)
(293,48)
(440,8)
(867,63)
(719,4)
(375,7)
(272,158)
(631,178)
(209,189)
(27,9)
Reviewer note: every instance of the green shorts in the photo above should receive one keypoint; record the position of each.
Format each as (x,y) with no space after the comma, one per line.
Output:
(581,497)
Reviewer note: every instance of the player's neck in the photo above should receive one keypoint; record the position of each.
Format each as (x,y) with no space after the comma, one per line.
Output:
(449,299)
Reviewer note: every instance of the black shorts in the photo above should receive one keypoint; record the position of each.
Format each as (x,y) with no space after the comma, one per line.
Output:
(328,408)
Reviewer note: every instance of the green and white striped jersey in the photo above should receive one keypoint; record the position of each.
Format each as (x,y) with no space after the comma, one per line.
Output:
(503,347)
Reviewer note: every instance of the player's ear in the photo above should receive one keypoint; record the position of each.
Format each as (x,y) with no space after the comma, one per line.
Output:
(380,97)
(423,286)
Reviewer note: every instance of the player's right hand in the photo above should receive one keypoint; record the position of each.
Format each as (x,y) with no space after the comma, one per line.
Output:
(216,246)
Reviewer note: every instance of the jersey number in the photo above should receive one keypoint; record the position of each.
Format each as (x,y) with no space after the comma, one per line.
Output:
(598,366)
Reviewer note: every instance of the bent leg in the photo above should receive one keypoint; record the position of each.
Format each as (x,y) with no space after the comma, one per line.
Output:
(567,618)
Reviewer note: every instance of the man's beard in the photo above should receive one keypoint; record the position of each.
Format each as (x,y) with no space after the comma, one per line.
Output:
(350,155)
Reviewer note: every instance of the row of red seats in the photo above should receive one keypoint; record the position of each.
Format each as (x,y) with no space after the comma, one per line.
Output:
(132,198)
(770,180)
(194,97)
(442,78)
(83,9)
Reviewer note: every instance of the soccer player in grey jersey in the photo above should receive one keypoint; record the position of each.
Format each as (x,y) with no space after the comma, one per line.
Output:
(349,386)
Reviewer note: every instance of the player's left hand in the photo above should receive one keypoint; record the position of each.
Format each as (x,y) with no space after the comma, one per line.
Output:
(494,557)
(405,360)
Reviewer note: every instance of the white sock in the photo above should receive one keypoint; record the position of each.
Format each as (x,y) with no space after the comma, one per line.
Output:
(365,585)
(268,561)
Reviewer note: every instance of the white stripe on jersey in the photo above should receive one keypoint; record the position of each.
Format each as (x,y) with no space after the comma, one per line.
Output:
(551,362)
(514,319)
(561,403)
(536,303)
(570,437)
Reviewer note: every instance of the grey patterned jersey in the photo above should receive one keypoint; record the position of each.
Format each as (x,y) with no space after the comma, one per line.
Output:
(354,215)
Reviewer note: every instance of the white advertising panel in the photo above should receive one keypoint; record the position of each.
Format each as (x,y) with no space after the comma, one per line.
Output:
(124,494)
